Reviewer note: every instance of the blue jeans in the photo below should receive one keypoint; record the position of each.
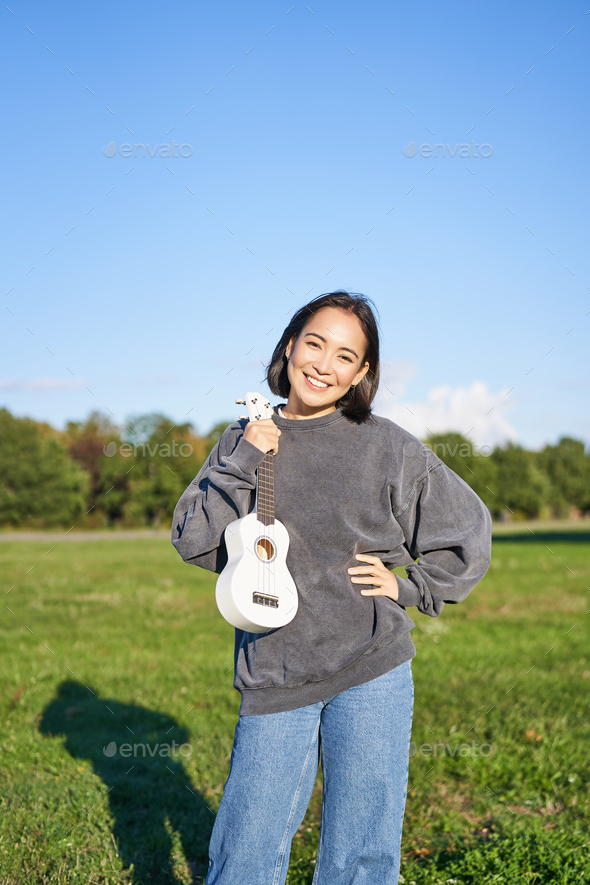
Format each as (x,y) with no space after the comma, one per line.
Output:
(364,734)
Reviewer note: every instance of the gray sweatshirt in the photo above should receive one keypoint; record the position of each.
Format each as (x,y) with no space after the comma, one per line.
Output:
(341,488)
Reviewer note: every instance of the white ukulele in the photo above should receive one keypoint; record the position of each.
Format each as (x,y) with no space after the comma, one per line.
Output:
(255,591)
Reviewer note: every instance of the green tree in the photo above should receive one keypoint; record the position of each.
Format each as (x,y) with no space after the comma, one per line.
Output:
(40,485)
(465,458)
(568,467)
(90,443)
(159,460)
(520,486)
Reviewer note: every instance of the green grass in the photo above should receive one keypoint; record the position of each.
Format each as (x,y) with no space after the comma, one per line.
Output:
(119,640)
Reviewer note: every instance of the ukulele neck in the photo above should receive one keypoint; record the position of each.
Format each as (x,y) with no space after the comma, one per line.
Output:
(265,499)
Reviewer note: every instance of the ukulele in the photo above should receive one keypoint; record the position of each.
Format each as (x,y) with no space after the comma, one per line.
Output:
(255,591)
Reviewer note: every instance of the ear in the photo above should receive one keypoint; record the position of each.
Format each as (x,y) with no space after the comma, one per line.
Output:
(289,348)
(361,374)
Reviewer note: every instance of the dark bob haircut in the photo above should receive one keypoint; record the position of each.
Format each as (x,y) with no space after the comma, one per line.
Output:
(356,403)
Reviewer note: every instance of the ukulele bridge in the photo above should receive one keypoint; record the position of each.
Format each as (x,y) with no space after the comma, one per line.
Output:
(265,599)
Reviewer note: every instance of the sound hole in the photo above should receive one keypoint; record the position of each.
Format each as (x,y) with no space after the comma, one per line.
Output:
(265,549)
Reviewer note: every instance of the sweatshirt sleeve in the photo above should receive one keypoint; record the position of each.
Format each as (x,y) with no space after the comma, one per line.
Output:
(222,491)
(448,528)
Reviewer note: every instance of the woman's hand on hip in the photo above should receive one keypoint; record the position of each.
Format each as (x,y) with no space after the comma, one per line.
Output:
(375,573)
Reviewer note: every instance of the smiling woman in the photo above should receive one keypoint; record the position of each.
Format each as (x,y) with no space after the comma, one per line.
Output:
(331,345)
(358,495)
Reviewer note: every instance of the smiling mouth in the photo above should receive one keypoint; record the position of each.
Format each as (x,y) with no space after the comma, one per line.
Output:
(315,382)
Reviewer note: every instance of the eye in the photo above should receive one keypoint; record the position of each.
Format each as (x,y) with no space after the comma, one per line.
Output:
(317,344)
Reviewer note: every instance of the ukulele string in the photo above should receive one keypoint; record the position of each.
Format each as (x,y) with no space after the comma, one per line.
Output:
(270,566)
(259,508)
(266,523)
(273,534)
(262,527)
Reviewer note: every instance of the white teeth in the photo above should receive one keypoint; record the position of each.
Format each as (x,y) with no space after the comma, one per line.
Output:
(315,382)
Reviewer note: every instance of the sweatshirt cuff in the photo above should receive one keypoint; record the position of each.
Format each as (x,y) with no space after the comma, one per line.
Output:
(246,456)
(408,592)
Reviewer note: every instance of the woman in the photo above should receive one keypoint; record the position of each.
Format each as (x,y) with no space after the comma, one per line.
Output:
(359,495)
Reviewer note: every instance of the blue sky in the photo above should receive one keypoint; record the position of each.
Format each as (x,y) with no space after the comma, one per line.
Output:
(140,284)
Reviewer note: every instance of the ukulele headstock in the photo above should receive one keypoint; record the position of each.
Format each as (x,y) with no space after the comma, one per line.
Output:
(258,406)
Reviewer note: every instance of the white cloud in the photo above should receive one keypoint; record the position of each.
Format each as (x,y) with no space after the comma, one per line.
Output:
(394,376)
(460,409)
(40,384)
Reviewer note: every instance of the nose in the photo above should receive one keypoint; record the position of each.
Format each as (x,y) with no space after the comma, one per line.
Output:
(322,365)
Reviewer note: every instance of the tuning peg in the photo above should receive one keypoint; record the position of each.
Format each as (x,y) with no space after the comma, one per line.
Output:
(241,402)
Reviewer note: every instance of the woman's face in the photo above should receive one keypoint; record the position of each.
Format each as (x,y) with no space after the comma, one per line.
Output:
(324,361)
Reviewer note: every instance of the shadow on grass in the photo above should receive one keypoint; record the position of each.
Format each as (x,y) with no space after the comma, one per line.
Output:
(151,798)
(546,537)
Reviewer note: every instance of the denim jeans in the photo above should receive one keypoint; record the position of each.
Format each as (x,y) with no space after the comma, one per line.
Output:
(364,734)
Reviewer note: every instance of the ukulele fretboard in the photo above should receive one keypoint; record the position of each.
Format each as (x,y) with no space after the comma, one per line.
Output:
(265,493)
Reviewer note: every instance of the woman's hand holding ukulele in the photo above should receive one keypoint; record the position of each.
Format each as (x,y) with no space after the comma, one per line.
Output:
(377,574)
(263,434)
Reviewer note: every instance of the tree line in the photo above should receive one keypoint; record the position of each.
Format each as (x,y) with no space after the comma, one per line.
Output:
(96,474)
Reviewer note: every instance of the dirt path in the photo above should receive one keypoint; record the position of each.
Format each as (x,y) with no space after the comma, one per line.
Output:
(93,535)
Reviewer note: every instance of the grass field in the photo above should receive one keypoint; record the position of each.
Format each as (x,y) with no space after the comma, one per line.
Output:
(120,641)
